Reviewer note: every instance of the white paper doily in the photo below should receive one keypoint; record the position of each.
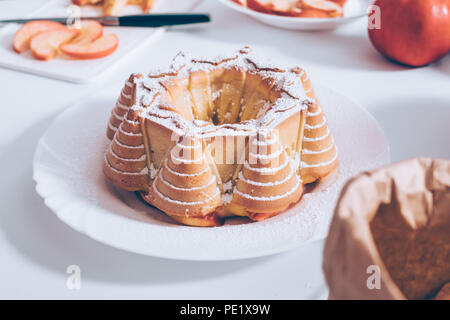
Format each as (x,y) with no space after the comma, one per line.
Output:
(68,172)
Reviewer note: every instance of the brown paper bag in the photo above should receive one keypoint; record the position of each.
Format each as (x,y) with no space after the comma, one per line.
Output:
(390,234)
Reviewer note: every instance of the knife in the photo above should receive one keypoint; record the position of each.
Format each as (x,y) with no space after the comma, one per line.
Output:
(141,20)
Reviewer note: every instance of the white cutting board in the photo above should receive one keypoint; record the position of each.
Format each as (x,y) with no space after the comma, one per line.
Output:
(64,68)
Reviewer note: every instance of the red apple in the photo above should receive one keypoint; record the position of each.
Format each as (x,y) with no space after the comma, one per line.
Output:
(413,32)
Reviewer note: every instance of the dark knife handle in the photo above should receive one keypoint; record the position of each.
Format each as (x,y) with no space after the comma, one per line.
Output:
(160,20)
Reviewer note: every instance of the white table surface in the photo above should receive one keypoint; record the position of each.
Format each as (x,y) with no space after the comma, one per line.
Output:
(412,106)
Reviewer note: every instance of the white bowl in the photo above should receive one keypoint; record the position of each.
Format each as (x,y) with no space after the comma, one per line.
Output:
(353,10)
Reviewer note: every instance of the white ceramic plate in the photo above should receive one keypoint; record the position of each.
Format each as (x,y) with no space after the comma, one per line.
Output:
(68,172)
(353,10)
(79,71)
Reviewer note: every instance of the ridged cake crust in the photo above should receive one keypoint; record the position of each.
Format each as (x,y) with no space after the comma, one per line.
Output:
(268,182)
(318,152)
(211,138)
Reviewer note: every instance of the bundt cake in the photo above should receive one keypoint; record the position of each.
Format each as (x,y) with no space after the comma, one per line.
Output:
(212,138)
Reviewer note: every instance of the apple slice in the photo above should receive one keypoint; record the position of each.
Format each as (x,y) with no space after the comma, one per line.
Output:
(324,5)
(340,2)
(90,30)
(313,13)
(22,38)
(260,5)
(241,2)
(85,2)
(273,6)
(99,48)
(284,5)
(44,46)
(113,7)
(146,5)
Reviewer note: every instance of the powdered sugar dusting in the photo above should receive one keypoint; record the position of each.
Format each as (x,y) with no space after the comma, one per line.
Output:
(227,196)
(150,87)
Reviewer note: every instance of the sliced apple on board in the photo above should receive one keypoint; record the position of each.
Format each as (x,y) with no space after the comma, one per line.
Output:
(23,36)
(328,6)
(90,30)
(99,48)
(44,46)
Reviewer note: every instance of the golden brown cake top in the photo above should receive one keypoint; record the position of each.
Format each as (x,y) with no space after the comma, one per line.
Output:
(283,83)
